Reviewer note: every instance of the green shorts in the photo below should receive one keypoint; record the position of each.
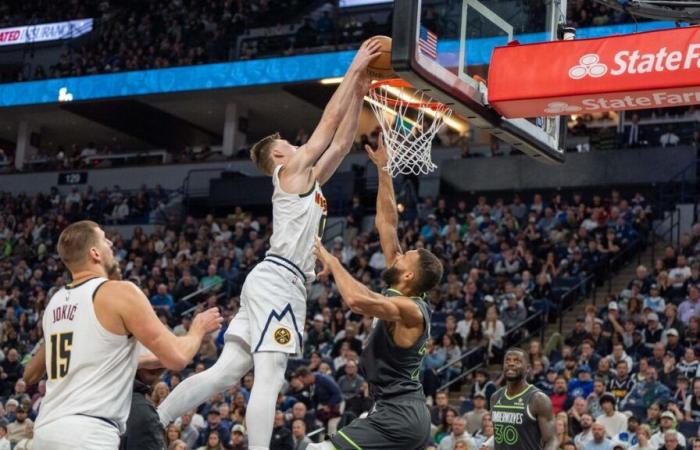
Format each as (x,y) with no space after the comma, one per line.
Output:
(396,424)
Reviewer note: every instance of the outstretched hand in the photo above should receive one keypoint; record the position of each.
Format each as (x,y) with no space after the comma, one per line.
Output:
(324,257)
(379,157)
(369,50)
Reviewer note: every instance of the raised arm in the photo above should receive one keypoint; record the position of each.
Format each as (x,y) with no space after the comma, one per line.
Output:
(361,300)
(345,136)
(542,409)
(387,218)
(333,114)
(138,318)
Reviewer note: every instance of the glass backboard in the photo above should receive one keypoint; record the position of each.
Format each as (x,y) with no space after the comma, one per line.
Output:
(444,47)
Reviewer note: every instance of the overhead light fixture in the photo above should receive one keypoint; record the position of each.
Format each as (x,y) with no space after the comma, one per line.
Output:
(334,80)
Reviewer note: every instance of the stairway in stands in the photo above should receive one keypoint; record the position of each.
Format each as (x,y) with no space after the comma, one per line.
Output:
(618,283)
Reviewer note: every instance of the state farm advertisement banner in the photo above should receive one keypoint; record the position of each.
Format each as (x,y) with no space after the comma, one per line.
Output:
(655,69)
(45,32)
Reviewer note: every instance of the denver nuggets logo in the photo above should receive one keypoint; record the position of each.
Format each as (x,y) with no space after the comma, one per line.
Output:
(282,336)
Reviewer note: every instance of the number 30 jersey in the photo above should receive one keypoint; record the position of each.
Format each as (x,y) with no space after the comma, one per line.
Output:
(90,370)
(296,220)
(514,426)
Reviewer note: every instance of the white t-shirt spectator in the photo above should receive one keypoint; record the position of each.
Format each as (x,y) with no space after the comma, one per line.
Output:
(87,152)
(463,329)
(615,424)
(4,444)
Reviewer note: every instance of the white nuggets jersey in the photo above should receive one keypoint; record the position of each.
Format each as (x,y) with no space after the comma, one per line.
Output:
(90,370)
(296,220)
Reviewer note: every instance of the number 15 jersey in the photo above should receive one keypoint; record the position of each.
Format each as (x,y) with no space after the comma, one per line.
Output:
(90,370)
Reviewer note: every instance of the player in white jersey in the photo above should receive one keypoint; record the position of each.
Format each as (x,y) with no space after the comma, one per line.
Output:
(91,327)
(269,325)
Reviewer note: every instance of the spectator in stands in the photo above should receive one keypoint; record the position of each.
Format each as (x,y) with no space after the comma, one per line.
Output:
(458,433)
(667,423)
(211,279)
(162,301)
(494,330)
(560,397)
(578,334)
(672,441)
(4,442)
(351,383)
(691,306)
(692,403)
(282,438)
(214,427)
(17,429)
(600,441)
(301,441)
(586,434)
(474,417)
(327,395)
(188,432)
(239,441)
(614,421)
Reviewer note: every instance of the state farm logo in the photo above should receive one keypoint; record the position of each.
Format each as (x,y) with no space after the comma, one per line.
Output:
(561,108)
(589,65)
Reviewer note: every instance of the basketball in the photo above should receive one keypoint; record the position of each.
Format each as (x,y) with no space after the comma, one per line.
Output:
(380,68)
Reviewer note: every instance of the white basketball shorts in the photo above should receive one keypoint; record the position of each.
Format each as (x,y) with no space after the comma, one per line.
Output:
(273,308)
(77,432)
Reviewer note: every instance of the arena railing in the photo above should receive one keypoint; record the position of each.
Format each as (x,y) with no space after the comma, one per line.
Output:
(522,326)
(196,294)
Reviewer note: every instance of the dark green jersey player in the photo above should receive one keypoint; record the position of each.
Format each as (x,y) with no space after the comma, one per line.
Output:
(392,357)
(522,414)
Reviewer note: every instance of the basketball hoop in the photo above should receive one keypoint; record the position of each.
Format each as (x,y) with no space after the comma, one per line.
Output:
(401,111)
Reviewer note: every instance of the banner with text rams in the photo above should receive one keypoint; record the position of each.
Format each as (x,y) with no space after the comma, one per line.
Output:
(45,32)
(656,69)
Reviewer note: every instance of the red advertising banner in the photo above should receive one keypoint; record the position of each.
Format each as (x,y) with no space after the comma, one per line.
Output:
(654,69)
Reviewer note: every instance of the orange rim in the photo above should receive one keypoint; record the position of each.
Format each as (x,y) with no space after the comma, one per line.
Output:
(400,83)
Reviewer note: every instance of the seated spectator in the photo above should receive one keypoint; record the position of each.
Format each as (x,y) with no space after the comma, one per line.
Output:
(214,427)
(163,301)
(281,435)
(692,403)
(211,279)
(17,429)
(560,397)
(600,441)
(300,440)
(643,439)
(351,383)
(494,330)
(586,434)
(474,417)
(327,395)
(458,433)
(667,423)
(4,442)
(669,138)
(614,421)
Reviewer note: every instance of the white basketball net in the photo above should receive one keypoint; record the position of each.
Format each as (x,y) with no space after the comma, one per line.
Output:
(408,139)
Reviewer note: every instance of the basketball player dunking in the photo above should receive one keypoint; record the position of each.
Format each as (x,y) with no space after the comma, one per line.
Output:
(91,327)
(392,357)
(269,325)
(522,414)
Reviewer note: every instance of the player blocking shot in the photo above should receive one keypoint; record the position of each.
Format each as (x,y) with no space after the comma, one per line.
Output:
(522,414)
(392,358)
(91,328)
(269,325)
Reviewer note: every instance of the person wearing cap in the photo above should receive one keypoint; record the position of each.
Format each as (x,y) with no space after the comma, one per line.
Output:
(214,425)
(614,421)
(238,438)
(667,423)
(653,331)
(473,418)
(672,339)
(582,385)
(317,336)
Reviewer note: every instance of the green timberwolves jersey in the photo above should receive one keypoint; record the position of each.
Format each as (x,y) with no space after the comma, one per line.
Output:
(514,426)
(389,369)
